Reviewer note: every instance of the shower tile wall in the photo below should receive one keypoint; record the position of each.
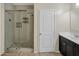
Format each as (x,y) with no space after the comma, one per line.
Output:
(24,34)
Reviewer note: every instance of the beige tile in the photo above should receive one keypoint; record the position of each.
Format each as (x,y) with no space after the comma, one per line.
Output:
(50,54)
(26,54)
(11,54)
(22,53)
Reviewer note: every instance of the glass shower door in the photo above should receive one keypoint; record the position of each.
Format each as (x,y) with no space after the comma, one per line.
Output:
(18,26)
(23,29)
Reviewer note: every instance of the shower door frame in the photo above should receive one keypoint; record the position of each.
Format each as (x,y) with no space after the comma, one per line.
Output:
(2,21)
(19,29)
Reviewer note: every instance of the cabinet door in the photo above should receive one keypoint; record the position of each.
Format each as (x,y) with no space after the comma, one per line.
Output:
(69,50)
(62,46)
(77,50)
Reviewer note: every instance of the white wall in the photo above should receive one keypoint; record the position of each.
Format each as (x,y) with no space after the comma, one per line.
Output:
(2,42)
(62,22)
(75,19)
(0,28)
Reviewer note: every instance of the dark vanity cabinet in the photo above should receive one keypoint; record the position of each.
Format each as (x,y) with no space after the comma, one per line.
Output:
(62,46)
(77,50)
(67,47)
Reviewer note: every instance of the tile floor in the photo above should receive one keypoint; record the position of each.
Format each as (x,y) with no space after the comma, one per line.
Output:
(21,53)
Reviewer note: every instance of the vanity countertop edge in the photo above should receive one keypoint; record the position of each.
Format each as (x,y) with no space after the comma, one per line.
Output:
(67,35)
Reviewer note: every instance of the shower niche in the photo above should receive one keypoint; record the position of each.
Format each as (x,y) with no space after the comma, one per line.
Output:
(18,24)
(19,31)
(25,19)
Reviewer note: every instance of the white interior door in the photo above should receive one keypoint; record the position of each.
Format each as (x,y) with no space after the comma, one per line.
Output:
(46,30)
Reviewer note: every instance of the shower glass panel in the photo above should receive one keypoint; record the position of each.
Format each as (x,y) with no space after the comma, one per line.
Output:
(9,29)
(23,23)
(19,27)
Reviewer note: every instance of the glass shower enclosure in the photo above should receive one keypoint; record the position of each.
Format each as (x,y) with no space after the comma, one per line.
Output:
(19,29)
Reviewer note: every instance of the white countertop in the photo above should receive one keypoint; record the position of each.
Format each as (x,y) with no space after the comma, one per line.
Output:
(70,36)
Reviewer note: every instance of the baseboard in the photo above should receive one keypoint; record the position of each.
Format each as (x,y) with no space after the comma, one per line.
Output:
(53,51)
(35,51)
